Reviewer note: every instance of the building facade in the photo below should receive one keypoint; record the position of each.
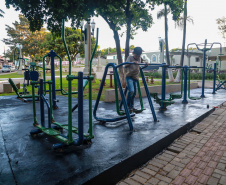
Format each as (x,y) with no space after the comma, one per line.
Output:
(192,58)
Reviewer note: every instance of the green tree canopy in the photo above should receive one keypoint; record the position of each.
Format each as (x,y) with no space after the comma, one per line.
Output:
(222,26)
(74,40)
(39,43)
(133,14)
(20,33)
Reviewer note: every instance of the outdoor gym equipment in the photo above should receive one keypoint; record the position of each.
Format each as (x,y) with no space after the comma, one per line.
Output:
(204,50)
(178,96)
(85,81)
(220,83)
(218,62)
(68,139)
(29,74)
(126,109)
(163,102)
(185,87)
(189,82)
(119,107)
(52,55)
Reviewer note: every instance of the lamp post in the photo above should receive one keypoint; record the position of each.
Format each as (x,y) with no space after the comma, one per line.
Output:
(161,46)
(20,58)
(99,67)
(87,32)
(4,56)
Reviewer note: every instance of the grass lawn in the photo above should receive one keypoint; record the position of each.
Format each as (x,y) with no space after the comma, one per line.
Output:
(95,86)
(15,75)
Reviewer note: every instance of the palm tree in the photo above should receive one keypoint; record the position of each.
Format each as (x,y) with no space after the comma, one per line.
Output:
(164,12)
(1,13)
(182,23)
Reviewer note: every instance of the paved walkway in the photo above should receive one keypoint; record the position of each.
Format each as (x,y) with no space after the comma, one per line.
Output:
(198,157)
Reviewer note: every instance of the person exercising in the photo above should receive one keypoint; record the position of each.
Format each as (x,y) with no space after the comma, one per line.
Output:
(132,76)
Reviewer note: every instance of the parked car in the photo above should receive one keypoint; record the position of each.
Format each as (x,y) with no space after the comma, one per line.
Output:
(6,68)
(13,68)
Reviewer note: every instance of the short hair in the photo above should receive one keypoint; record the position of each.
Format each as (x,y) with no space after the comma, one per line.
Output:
(137,50)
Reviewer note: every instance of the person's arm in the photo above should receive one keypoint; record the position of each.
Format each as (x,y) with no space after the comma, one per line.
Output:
(143,61)
(129,60)
(135,62)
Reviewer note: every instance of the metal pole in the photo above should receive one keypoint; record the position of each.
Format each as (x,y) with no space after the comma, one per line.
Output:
(87,48)
(44,71)
(42,108)
(80,106)
(52,55)
(163,86)
(33,101)
(65,45)
(203,69)
(50,104)
(70,78)
(148,96)
(185,101)
(214,78)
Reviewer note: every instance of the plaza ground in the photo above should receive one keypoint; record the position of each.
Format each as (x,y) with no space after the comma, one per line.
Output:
(115,151)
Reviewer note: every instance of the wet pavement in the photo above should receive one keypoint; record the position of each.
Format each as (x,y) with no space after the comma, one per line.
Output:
(114,152)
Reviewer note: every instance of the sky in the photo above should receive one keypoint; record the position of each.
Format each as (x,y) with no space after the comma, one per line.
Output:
(203,12)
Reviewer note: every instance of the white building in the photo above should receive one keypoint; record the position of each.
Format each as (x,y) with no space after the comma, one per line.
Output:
(193,58)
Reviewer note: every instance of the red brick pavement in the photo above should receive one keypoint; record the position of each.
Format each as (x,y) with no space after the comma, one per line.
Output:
(198,157)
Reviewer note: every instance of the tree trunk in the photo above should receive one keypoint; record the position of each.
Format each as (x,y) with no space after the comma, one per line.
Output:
(47,60)
(128,24)
(119,56)
(170,73)
(183,42)
(118,49)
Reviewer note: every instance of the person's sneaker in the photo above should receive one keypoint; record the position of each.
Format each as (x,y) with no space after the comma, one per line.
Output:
(136,110)
(130,111)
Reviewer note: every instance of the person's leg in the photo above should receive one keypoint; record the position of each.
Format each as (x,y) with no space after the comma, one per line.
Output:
(130,86)
(135,92)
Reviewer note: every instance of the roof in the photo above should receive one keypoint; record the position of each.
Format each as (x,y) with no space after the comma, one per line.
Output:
(115,53)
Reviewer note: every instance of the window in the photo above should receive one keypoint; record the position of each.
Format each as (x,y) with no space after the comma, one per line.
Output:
(7,66)
(154,58)
(197,59)
(173,61)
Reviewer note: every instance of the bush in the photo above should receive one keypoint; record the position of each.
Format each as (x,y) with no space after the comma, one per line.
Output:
(195,75)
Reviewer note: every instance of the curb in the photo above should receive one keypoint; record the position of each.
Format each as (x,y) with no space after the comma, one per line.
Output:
(119,171)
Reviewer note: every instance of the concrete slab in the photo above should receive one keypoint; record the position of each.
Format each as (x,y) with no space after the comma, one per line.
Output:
(110,93)
(6,175)
(115,150)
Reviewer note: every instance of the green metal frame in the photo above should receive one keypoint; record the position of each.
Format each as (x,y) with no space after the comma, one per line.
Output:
(218,61)
(49,131)
(68,127)
(122,112)
(61,76)
(16,90)
(189,87)
(90,130)
(178,96)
